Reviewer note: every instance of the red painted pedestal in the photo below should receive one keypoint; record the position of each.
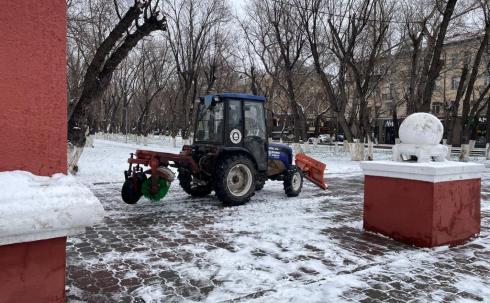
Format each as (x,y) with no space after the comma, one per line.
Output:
(36,214)
(33,271)
(426,206)
(33,135)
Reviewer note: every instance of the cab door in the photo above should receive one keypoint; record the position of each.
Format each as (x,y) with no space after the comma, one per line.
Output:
(234,127)
(255,132)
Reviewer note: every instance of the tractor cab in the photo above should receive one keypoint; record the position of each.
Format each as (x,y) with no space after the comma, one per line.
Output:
(234,123)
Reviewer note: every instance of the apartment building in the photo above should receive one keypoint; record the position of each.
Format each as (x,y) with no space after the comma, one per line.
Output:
(394,75)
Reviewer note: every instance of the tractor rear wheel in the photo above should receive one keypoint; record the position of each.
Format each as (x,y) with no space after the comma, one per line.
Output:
(235,180)
(185,180)
(131,190)
(293,181)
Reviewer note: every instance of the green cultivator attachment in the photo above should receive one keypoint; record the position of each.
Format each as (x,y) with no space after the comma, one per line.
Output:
(153,183)
(163,187)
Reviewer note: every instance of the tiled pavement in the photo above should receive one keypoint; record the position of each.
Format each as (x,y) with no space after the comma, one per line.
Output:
(186,249)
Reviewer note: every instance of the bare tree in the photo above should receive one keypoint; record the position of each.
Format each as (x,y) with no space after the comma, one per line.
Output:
(426,27)
(141,19)
(316,29)
(153,77)
(190,32)
(472,62)
(359,41)
(273,26)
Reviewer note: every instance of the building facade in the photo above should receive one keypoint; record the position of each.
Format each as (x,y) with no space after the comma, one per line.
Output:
(394,73)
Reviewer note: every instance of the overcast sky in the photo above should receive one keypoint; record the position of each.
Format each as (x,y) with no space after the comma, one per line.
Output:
(237,6)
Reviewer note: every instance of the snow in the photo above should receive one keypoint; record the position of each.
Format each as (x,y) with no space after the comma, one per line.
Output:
(271,237)
(34,207)
(420,134)
(108,161)
(425,171)
(421,129)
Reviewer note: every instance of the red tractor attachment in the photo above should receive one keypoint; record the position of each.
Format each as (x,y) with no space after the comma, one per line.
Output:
(160,175)
(312,169)
(156,185)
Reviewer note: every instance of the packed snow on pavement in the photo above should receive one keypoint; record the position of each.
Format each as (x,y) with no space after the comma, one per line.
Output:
(273,249)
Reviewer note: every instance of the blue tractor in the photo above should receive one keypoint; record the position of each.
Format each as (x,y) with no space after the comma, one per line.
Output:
(230,155)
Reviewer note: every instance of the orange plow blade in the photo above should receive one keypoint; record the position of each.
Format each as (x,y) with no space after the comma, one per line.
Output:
(312,169)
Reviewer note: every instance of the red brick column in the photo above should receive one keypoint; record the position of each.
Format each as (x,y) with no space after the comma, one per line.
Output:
(33,271)
(33,86)
(33,119)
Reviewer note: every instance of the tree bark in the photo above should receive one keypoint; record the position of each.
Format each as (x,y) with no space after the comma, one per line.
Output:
(101,68)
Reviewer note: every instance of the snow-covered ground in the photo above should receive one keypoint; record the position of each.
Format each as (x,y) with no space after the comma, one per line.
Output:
(108,159)
(273,249)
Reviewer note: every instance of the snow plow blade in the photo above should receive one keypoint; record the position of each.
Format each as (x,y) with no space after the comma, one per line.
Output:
(312,169)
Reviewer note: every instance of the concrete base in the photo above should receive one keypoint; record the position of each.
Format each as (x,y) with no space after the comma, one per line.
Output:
(33,271)
(420,213)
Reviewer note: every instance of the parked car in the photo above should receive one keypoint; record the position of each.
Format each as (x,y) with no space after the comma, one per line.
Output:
(323,138)
(340,137)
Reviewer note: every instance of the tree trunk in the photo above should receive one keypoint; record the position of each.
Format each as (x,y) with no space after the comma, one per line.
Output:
(488,123)
(99,73)
(298,128)
(436,62)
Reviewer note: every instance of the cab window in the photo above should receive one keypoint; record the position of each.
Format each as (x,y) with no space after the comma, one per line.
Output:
(254,119)
(210,123)
(234,114)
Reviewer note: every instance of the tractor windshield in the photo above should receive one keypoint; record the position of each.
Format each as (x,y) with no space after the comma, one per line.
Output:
(210,123)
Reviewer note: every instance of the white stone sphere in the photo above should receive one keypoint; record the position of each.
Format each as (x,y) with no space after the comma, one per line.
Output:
(421,129)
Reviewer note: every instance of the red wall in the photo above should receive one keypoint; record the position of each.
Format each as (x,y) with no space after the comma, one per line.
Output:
(33,103)
(33,272)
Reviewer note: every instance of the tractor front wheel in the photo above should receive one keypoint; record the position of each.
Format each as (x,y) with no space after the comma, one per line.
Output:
(131,190)
(185,181)
(293,181)
(235,180)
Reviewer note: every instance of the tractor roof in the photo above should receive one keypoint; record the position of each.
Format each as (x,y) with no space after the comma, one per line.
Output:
(240,96)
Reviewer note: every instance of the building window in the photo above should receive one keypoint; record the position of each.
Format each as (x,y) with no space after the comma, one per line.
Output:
(385,97)
(436,109)
(439,84)
(454,83)
(486,81)
(454,59)
(392,90)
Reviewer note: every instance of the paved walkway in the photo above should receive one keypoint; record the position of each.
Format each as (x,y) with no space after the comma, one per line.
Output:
(308,249)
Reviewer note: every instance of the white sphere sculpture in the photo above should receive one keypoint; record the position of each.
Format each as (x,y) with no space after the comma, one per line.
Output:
(421,129)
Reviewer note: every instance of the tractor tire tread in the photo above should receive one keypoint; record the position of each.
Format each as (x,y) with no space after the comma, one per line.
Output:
(185,179)
(220,186)
(129,194)
(288,183)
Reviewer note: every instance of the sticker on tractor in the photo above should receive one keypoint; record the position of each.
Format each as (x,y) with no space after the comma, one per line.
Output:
(235,136)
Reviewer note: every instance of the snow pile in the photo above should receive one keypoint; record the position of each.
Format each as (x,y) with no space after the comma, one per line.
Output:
(34,208)
(429,171)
